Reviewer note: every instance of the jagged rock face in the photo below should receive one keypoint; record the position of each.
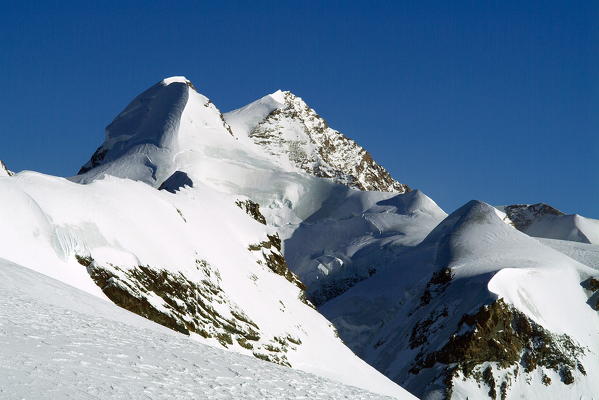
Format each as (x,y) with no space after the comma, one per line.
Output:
(252,209)
(493,346)
(522,215)
(296,134)
(187,304)
(4,171)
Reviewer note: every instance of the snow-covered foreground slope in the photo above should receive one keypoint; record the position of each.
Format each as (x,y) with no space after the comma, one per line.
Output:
(60,343)
(193,261)
(477,310)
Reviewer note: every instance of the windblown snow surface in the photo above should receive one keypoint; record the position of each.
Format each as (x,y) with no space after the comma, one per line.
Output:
(61,343)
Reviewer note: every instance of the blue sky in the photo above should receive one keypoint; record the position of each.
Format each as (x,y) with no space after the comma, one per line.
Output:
(497,101)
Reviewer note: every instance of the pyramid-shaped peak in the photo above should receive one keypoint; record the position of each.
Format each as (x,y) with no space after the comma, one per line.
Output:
(472,213)
(167,119)
(290,131)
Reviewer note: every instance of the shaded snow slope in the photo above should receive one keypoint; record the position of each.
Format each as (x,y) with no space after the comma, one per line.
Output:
(354,235)
(543,221)
(193,261)
(60,343)
(286,128)
(477,310)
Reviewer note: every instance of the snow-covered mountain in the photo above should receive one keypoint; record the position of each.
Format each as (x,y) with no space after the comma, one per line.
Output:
(294,134)
(477,310)
(267,233)
(196,255)
(543,221)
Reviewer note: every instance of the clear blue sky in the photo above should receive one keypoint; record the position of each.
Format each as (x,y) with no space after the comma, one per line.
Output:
(497,101)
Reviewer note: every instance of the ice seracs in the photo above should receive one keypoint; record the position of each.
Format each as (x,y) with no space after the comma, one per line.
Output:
(356,234)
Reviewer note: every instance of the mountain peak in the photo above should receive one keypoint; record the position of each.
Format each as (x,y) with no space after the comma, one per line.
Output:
(285,127)
(145,139)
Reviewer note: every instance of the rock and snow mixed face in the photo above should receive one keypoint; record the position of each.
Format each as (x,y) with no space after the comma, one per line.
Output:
(477,310)
(171,136)
(58,342)
(294,134)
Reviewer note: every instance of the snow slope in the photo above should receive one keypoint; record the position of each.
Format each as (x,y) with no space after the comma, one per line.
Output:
(193,261)
(60,343)
(478,309)
(584,253)
(354,235)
